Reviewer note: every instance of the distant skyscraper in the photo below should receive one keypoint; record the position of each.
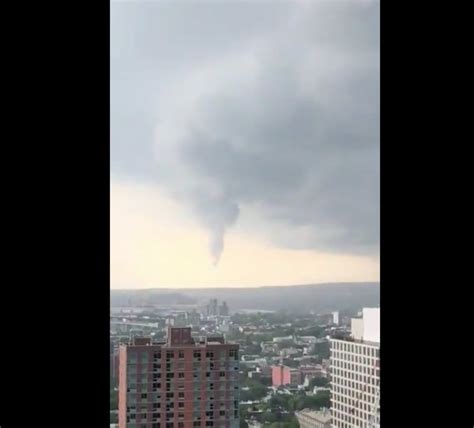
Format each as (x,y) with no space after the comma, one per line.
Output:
(212,309)
(355,374)
(180,383)
(335,318)
(224,309)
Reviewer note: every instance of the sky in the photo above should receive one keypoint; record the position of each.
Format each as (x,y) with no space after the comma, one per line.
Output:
(244,142)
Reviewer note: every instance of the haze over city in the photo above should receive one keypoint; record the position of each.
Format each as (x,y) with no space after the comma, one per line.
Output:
(244,143)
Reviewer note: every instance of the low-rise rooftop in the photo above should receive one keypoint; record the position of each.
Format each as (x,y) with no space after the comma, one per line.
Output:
(323,416)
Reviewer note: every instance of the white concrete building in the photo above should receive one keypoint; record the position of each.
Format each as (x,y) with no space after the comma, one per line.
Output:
(335,318)
(357,328)
(355,374)
(371,319)
(283,339)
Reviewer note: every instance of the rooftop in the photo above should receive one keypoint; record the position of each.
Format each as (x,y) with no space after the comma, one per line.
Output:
(323,416)
(352,340)
(179,336)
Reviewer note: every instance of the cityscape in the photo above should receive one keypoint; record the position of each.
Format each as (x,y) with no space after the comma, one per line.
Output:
(208,365)
(245,214)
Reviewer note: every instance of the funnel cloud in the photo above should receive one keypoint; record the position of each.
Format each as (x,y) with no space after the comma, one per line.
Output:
(266,120)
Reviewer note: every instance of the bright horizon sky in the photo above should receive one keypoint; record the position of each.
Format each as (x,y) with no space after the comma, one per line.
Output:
(172,251)
(244,143)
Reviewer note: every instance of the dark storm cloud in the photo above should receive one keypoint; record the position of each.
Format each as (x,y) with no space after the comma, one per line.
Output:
(295,133)
(155,43)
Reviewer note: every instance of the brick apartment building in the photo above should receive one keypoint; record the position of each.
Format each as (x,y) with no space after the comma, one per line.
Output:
(311,371)
(179,383)
(284,375)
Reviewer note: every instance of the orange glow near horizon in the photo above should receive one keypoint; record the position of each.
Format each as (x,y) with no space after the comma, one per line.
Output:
(154,245)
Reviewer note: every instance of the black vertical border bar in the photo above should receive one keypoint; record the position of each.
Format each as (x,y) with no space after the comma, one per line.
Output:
(426,310)
(55,293)
(103,171)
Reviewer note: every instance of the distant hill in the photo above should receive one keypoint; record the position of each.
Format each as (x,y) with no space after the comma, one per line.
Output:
(149,297)
(318,297)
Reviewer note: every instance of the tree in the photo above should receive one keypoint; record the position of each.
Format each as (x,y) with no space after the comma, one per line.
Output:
(322,349)
(255,392)
(323,399)
(318,381)
(113,399)
(316,331)
(288,422)
(280,401)
(291,363)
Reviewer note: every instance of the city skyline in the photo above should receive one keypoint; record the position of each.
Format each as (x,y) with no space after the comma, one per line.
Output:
(244,143)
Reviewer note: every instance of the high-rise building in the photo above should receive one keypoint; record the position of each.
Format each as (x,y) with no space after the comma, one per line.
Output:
(355,374)
(212,309)
(224,310)
(180,383)
(314,419)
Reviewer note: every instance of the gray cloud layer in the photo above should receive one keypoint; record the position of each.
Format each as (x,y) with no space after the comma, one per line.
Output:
(285,120)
